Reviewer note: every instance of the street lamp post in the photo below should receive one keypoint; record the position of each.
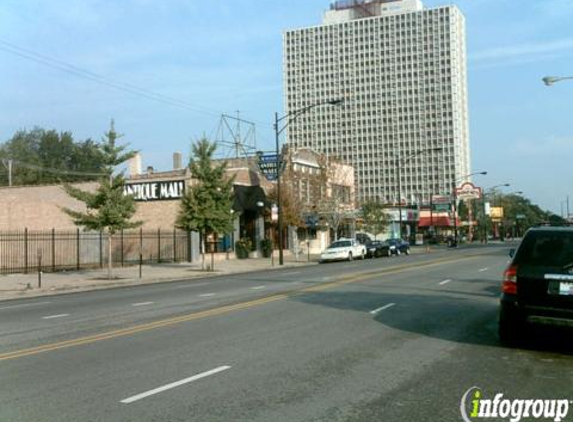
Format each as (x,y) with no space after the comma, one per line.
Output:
(289,117)
(550,80)
(455,197)
(398,163)
(486,228)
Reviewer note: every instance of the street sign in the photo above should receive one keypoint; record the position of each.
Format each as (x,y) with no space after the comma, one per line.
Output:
(268,164)
(468,191)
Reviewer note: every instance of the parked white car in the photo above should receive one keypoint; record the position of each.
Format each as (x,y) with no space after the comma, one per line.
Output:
(343,249)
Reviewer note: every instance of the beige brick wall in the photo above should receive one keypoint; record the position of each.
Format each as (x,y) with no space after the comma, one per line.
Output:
(39,208)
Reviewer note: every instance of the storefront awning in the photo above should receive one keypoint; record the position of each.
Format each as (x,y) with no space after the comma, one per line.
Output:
(436,221)
(246,198)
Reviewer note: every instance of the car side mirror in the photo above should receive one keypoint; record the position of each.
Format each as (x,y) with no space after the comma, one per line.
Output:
(511,252)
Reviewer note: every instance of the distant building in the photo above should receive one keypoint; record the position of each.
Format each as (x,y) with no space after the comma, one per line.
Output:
(402,71)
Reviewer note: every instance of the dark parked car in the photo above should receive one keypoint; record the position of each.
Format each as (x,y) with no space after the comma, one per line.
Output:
(398,246)
(537,285)
(377,248)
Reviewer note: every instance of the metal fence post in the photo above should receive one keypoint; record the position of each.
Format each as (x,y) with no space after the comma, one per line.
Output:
(158,245)
(189,256)
(100,249)
(174,245)
(121,246)
(26,250)
(78,249)
(53,250)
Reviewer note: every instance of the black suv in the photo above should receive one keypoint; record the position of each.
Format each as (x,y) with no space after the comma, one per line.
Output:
(538,283)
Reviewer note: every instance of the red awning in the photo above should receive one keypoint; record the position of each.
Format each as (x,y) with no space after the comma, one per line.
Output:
(438,221)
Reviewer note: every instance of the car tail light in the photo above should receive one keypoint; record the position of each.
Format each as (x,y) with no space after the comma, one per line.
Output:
(509,285)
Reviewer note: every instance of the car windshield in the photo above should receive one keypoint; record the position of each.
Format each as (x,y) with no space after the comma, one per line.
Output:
(340,244)
(551,249)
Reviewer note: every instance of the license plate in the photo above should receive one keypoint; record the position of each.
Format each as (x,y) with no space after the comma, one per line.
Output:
(566,289)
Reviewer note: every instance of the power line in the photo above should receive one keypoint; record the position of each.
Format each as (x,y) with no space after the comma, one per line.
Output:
(100,79)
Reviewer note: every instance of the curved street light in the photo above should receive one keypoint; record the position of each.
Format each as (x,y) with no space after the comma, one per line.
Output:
(398,164)
(289,117)
(456,200)
(550,80)
(501,185)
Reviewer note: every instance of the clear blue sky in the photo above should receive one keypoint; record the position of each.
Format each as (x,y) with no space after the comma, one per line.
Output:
(222,56)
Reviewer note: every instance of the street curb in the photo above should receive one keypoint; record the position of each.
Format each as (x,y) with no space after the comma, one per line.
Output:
(135,282)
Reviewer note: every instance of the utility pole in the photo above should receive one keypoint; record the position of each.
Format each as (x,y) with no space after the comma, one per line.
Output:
(8,165)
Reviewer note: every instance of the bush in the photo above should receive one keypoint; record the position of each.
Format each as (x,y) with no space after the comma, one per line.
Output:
(242,248)
(266,248)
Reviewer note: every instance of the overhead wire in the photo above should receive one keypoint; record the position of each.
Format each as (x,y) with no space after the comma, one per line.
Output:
(103,80)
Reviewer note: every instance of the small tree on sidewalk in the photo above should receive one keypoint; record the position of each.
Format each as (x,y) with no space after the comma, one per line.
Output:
(107,209)
(206,206)
(374,217)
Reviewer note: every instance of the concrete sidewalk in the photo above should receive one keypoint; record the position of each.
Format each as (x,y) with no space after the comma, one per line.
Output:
(13,286)
(17,286)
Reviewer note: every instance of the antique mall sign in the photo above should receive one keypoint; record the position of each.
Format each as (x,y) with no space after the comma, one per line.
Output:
(155,191)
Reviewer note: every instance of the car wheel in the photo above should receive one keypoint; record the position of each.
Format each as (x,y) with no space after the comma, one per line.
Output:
(350,256)
(509,328)
(363,255)
(407,251)
(388,253)
(397,252)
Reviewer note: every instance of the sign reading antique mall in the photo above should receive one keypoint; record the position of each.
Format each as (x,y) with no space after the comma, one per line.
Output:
(155,191)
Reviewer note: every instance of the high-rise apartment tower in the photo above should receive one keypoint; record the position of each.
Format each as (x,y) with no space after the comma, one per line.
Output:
(401,70)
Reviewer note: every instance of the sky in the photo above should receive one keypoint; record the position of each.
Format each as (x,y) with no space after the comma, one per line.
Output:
(167,70)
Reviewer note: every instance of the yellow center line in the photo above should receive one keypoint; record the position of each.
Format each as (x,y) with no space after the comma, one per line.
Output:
(220,310)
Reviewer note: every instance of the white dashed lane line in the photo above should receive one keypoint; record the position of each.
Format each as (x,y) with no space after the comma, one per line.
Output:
(383,308)
(174,385)
(481,270)
(441,283)
(258,287)
(142,304)
(56,316)
(207,295)
(25,305)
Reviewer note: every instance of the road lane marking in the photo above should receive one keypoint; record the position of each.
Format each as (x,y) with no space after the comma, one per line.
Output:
(481,270)
(327,278)
(143,304)
(207,295)
(174,384)
(187,286)
(24,305)
(445,282)
(55,316)
(292,273)
(383,308)
(225,309)
(258,287)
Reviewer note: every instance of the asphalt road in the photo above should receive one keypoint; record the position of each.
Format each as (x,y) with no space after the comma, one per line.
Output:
(390,339)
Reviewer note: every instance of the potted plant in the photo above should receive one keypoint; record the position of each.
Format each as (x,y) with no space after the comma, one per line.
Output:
(242,248)
(266,248)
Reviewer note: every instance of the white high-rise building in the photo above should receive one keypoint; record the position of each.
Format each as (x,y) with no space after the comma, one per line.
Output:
(401,69)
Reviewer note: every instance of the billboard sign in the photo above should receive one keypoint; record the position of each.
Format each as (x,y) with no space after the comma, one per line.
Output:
(468,191)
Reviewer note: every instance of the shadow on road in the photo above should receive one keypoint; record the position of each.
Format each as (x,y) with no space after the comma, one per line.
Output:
(445,316)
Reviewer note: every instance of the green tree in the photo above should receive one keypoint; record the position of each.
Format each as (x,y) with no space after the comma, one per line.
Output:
(375,220)
(107,209)
(43,156)
(206,206)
